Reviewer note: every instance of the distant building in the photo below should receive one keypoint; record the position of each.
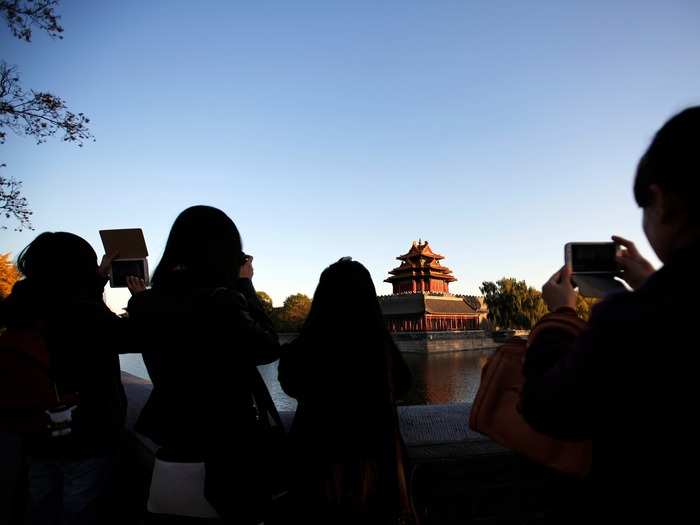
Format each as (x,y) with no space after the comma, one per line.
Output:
(421,301)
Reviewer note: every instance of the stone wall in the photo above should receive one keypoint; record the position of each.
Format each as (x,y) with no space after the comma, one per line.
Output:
(434,342)
(439,342)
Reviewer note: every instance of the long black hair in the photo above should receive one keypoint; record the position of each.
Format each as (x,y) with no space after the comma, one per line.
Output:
(345,334)
(345,311)
(203,250)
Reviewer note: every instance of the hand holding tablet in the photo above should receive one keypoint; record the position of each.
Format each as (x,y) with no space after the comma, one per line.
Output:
(128,253)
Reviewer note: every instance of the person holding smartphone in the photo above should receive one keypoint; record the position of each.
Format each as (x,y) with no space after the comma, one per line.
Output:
(640,391)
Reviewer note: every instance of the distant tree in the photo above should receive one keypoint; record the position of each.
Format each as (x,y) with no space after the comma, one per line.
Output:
(513,304)
(291,316)
(37,114)
(9,275)
(266,301)
(584,305)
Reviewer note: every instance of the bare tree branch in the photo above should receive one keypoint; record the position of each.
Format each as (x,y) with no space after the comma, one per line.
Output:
(22,15)
(36,113)
(13,205)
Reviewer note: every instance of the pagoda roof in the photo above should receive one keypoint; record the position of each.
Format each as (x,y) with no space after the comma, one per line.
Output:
(418,273)
(420,262)
(411,265)
(419,249)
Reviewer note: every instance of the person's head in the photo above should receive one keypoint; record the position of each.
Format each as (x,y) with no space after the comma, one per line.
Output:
(345,304)
(203,249)
(667,184)
(61,263)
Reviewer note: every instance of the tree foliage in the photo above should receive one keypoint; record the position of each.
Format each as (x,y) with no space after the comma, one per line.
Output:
(291,316)
(584,305)
(9,275)
(513,304)
(266,302)
(22,15)
(33,113)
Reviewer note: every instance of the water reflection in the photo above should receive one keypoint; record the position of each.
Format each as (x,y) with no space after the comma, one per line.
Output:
(437,378)
(445,378)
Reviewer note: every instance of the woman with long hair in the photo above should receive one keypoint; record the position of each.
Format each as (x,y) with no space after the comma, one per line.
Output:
(346,373)
(204,332)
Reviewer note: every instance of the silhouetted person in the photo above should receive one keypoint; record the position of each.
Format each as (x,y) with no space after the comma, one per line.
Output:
(346,372)
(204,332)
(641,394)
(59,300)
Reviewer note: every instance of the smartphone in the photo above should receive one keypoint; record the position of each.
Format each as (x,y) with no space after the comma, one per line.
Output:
(592,257)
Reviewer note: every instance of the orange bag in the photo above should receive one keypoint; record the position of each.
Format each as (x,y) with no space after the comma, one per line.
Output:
(495,414)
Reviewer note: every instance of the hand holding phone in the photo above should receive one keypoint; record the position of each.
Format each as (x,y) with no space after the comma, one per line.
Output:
(635,268)
(559,291)
(246,271)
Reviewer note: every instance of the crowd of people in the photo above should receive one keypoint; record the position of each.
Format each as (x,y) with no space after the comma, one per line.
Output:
(223,452)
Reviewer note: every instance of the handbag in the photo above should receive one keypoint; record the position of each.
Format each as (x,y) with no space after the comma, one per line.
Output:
(495,413)
(177,489)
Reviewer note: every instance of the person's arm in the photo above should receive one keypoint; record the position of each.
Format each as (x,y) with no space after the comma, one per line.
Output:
(253,325)
(557,397)
(112,332)
(291,371)
(246,288)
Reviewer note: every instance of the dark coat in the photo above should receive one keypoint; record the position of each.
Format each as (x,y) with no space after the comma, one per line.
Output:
(201,348)
(84,339)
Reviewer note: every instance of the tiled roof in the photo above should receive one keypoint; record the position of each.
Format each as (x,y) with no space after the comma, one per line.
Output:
(443,306)
(419,304)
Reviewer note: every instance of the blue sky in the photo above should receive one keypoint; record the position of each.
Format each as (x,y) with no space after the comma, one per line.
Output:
(496,130)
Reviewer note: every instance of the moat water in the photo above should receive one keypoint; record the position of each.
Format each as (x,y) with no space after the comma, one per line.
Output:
(437,378)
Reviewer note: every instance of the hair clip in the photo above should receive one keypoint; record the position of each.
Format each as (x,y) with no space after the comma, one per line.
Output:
(347,258)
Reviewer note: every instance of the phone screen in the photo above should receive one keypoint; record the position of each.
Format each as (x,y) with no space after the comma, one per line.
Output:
(593,257)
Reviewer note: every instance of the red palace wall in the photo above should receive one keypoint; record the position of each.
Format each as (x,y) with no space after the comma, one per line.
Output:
(424,285)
